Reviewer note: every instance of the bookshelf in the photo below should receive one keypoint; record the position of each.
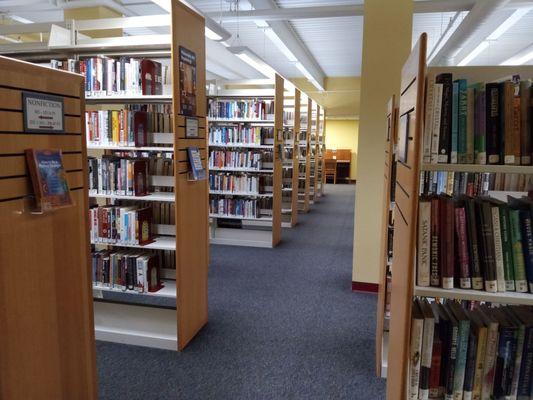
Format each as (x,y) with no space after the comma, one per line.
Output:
(246,146)
(320,152)
(383,306)
(304,159)
(170,316)
(291,133)
(47,346)
(415,78)
(313,152)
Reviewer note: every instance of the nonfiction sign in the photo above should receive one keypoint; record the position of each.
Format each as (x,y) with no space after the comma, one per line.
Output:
(43,113)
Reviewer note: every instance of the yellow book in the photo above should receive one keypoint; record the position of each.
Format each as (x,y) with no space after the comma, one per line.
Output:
(115,126)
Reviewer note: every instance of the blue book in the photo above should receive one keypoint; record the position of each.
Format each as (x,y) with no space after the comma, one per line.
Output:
(455,123)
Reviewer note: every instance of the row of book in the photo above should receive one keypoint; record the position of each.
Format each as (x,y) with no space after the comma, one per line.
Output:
(482,123)
(473,352)
(127,127)
(475,243)
(244,109)
(473,183)
(124,75)
(112,175)
(236,159)
(235,183)
(240,208)
(240,134)
(125,271)
(126,225)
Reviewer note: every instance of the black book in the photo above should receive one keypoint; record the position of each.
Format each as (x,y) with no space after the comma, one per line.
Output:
(493,123)
(505,357)
(473,245)
(451,350)
(445,137)
(470,367)
(525,373)
(486,239)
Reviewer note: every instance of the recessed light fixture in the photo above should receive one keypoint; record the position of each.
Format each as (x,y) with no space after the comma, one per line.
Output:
(521,57)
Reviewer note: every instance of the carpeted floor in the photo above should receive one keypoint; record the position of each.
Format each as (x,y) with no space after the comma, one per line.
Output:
(283,324)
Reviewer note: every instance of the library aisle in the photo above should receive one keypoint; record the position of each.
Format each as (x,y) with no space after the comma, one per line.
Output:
(283,323)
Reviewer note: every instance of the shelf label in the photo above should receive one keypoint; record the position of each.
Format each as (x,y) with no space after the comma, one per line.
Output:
(191,128)
(98,294)
(43,113)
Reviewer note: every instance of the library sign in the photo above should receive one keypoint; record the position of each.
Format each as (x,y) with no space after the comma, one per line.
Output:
(43,113)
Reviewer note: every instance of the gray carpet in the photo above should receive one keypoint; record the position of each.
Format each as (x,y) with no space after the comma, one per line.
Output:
(283,324)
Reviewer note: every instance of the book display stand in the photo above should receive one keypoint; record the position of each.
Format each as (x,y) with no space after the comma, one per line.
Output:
(416,79)
(46,318)
(246,148)
(383,308)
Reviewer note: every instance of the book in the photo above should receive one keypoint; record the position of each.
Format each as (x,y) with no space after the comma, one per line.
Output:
(445,135)
(195,163)
(415,350)
(524,207)
(462,121)
(461,240)
(470,124)
(480,330)
(49,179)
(454,144)
(505,354)
(490,354)
(428,122)
(462,348)
(427,347)
(480,151)
(474,245)
(446,241)
(436,121)
(486,238)
(187,81)
(519,269)
(510,123)
(525,122)
(498,249)
(424,242)
(493,125)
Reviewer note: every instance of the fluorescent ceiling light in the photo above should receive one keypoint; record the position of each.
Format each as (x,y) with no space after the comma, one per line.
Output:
(476,52)
(508,23)
(520,58)
(252,59)
(213,30)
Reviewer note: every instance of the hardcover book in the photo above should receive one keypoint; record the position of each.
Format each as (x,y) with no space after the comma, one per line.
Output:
(48,178)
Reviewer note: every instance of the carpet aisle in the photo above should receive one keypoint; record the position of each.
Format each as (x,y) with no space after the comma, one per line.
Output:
(283,324)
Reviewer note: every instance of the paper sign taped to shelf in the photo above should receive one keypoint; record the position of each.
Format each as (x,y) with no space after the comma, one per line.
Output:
(191,128)
(43,113)
(98,294)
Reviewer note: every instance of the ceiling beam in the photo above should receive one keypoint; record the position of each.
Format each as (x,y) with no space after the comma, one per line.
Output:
(477,18)
(219,57)
(285,32)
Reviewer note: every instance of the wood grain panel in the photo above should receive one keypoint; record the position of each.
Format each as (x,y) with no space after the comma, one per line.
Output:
(16,165)
(11,99)
(12,143)
(405,233)
(21,186)
(192,235)
(278,172)
(27,76)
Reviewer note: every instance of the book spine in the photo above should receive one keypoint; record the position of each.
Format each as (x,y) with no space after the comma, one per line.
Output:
(434,374)
(498,251)
(527,245)
(460,363)
(526,367)
(489,264)
(519,351)
(516,124)
(518,254)
(493,135)
(470,125)
(454,147)
(451,362)
(507,249)
(415,349)
(425,362)
(428,123)
(475,263)
(462,248)
(525,123)
(490,362)
(504,363)
(447,243)
(462,110)
(435,130)
(424,243)
(507,122)
(435,267)
(470,368)
(480,150)
(446,117)
(480,362)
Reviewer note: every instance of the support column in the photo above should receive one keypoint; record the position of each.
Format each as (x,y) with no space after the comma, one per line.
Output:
(387,37)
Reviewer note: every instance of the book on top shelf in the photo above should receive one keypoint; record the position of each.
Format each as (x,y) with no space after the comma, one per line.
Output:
(49,179)
(478,122)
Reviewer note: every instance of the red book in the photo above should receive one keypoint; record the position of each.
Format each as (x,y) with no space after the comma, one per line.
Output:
(148,80)
(434,255)
(140,182)
(140,128)
(144,226)
(446,241)
(434,374)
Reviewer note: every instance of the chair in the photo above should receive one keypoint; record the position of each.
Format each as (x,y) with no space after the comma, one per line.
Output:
(330,169)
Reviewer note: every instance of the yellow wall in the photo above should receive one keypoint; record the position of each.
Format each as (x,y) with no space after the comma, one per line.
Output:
(343,134)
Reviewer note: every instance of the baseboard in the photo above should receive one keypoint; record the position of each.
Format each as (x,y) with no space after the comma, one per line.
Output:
(365,287)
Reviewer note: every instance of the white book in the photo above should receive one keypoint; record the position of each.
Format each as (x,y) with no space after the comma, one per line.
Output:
(424,243)
(415,350)
(498,251)
(428,124)
(435,131)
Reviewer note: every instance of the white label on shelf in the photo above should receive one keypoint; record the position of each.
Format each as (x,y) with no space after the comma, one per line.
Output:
(98,294)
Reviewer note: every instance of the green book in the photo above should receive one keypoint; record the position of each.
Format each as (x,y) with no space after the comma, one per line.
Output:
(462,109)
(462,348)
(518,255)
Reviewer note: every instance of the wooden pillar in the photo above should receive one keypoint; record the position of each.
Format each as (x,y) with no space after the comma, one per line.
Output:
(387,39)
